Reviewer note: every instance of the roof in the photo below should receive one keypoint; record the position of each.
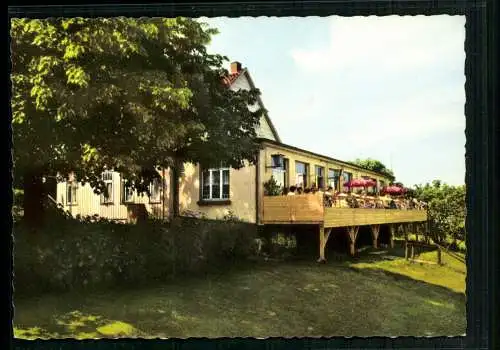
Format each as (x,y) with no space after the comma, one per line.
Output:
(232,77)
(293,148)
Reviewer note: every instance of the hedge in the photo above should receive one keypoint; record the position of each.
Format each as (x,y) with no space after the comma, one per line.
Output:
(75,255)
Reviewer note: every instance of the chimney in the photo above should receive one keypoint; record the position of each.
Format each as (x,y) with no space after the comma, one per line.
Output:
(235,67)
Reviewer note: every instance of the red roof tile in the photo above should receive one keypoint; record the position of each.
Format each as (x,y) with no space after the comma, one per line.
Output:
(230,78)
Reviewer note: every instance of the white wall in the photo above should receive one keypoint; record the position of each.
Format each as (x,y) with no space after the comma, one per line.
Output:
(265,130)
(88,203)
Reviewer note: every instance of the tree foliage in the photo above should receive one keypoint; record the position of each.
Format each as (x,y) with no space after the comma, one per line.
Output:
(375,165)
(447,209)
(123,93)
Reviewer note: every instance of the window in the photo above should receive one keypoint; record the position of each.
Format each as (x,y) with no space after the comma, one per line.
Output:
(215,184)
(107,196)
(301,174)
(347,177)
(71,188)
(277,161)
(333,178)
(155,190)
(279,171)
(374,189)
(127,192)
(320,176)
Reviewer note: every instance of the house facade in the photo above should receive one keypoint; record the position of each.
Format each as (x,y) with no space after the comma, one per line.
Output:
(215,193)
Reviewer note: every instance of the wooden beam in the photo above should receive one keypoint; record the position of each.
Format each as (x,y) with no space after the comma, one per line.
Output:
(375,233)
(324,235)
(353,235)
(423,261)
(424,232)
(327,234)
(391,233)
(277,222)
(404,228)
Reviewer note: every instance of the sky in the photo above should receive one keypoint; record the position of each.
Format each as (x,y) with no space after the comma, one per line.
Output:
(388,88)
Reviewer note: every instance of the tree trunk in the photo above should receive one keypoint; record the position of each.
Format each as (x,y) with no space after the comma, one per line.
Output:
(33,199)
(176,173)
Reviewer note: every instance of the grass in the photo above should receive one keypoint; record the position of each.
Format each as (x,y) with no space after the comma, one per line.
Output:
(448,240)
(451,275)
(366,297)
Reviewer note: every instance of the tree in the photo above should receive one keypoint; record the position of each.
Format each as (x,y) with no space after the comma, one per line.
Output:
(272,188)
(446,211)
(134,95)
(375,165)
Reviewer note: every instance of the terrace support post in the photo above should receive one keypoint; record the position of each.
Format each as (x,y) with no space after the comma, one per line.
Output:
(423,227)
(406,250)
(415,230)
(375,232)
(405,231)
(391,233)
(439,257)
(324,234)
(353,235)
(400,232)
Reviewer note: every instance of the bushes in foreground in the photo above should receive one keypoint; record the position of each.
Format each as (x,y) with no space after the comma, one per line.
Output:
(75,255)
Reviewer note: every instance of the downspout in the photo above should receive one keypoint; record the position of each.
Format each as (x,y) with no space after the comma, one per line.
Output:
(341,180)
(175,186)
(163,194)
(257,192)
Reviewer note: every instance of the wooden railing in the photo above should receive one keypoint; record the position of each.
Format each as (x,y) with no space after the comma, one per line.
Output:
(340,217)
(293,209)
(309,209)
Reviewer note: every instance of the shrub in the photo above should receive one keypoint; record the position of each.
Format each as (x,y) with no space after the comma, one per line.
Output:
(271,187)
(446,211)
(84,254)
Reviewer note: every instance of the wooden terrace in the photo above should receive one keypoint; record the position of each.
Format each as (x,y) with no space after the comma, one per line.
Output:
(310,209)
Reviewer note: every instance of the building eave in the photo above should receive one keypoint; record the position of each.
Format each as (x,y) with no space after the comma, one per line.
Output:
(264,141)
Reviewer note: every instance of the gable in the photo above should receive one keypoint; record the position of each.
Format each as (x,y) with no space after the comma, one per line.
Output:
(265,130)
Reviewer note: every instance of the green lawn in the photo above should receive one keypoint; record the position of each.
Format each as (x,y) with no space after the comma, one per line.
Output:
(369,296)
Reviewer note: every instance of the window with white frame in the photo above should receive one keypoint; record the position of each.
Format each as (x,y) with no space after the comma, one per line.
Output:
(301,174)
(215,184)
(320,176)
(279,166)
(127,192)
(155,190)
(71,190)
(107,196)
(333,178)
